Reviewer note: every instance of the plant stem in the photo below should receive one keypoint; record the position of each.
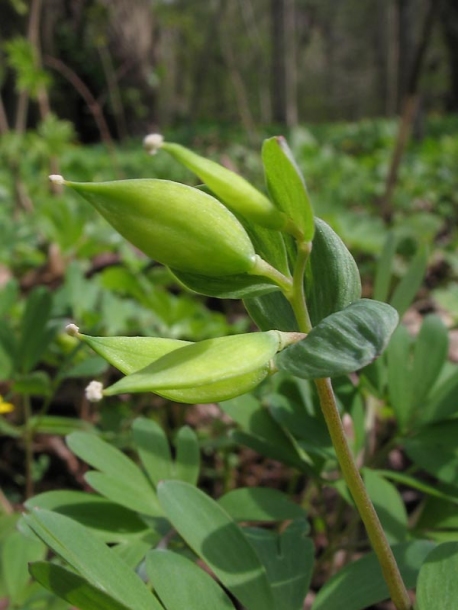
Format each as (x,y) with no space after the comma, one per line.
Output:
(344,455)
(28,441)
(284,282)
(297,299)
(363,503)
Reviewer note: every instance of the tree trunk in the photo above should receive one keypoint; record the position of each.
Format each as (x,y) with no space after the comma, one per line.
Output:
(410,105)
(450,28)
(284,62)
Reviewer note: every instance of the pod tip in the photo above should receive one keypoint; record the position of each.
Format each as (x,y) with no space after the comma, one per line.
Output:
(56,179)
(72,330)
(153,142)
(94,391)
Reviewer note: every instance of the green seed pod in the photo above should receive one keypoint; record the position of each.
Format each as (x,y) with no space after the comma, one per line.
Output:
(176,225)
(130,354)
(209,371)
(233,190)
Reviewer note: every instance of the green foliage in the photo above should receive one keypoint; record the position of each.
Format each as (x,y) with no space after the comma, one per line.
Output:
(257,541)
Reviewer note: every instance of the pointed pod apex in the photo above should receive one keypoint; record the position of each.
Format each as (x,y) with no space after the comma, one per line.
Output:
(94,391)
(153,142)
(56,179)
(72,330)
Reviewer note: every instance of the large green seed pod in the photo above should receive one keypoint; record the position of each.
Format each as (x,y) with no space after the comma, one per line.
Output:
(176,225)
(209,371)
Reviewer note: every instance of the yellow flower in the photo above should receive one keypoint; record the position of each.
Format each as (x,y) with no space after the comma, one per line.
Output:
(5,407)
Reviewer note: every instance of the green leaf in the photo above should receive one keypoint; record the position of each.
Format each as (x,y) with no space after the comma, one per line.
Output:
(388,504)
(342,343)
(441,404)
(153,448)
(196,590)
(287,185)
(187,462)
(36,383)
(409,285)
(260,504)
(332,280)
(55,424)
(437,582)
(271,311)
(409,481)
(383,272)
(92,559)
(398,355)
(214,537)
(438,515)
(430,354)
(16,551)
(226,287)
(120,480)
(260,431)
(434,449)
(9,295)
(35,332)
(130,354)
(289,559)
(360,584)
(304,422)
(208,371)
(111,522)
(72,587)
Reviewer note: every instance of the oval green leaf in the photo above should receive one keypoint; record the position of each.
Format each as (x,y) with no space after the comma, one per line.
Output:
(437,582)
(360,584)
(72,587)
(260,504)
(180,584)
(342,343)
(286,185)
(219,541)
(92,559)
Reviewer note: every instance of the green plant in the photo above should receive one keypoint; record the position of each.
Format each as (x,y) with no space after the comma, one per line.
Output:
(301,287)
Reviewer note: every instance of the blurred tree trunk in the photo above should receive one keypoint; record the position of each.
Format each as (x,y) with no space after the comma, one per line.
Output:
(202,61)
(284,62)
(450,28)
(406,48)
(381,56)
(240,90)
(410,105)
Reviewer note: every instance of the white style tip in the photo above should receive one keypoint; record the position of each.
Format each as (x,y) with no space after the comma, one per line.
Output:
(56,179)
(94,391)
(153,142)
(72,330)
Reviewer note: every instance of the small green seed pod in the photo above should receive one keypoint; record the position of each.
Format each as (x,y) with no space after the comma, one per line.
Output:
(176,225)
(209,371)
(233,190)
